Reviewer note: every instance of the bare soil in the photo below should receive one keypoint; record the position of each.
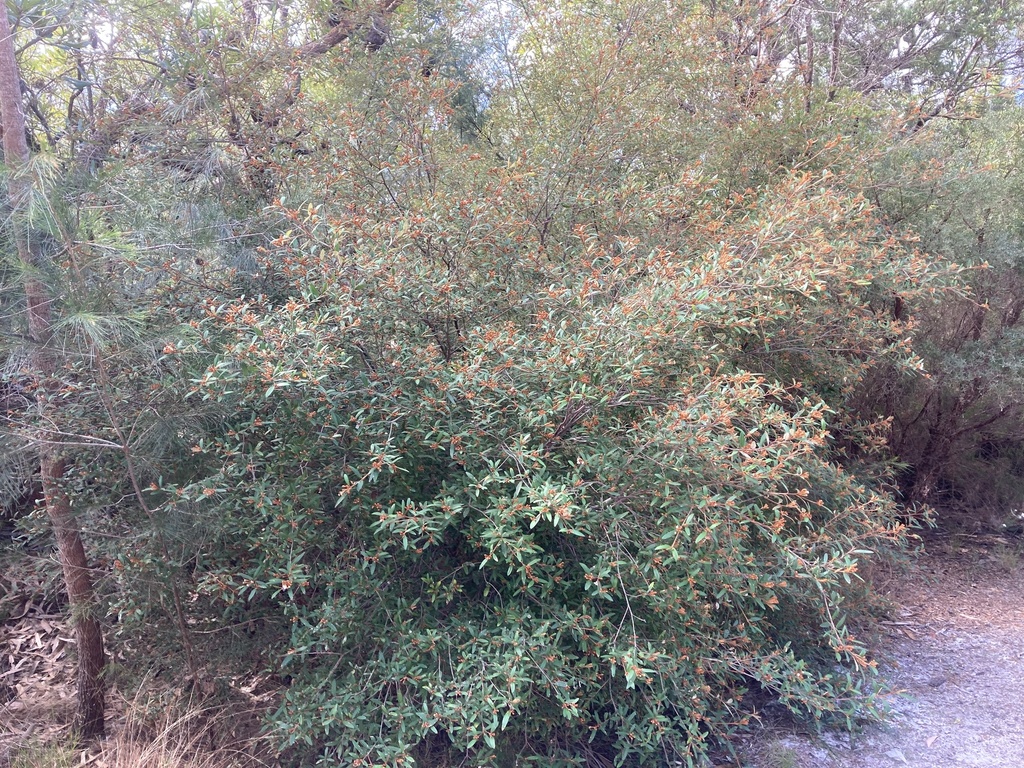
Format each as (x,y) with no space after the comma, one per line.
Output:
(954,663)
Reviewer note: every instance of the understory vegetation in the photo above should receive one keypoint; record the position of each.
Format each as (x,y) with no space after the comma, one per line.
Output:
(510,383)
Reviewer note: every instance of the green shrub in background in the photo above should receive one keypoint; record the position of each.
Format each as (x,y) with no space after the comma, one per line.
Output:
(957,428)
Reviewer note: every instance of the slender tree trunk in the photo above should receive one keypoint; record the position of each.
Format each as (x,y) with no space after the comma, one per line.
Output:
(77,576)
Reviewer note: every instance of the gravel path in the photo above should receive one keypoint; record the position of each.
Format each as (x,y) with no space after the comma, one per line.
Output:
(955,661)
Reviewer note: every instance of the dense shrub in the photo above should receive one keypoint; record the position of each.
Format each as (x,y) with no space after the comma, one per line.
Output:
(545,481)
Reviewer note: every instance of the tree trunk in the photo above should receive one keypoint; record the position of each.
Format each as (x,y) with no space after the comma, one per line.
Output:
(77,578)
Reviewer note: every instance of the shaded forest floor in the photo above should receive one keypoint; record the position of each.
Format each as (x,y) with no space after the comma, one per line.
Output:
(953,657)
(161,726)
(952,654)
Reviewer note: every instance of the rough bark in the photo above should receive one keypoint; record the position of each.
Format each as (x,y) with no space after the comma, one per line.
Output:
(77,577)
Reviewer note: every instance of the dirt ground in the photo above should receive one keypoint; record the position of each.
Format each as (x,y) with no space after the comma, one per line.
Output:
(954,659)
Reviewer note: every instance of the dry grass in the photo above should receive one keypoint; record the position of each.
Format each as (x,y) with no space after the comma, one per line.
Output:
(1008,555)
(160,727)
(780,755)
(189,736)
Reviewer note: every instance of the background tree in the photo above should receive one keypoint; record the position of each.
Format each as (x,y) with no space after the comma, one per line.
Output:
(40,374)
